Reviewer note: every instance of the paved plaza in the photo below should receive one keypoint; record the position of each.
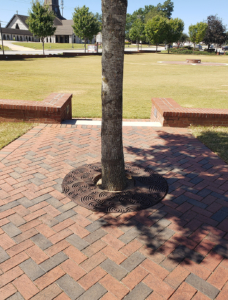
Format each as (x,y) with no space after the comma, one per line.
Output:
(50,248)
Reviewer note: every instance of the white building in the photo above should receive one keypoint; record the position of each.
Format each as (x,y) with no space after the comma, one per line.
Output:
(17,28)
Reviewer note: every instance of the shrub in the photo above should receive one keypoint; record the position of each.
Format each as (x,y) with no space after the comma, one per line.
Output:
(188,47)
(185,50)
(209,50)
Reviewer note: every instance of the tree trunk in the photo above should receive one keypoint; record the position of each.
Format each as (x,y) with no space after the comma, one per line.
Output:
(43,45)
(85,45)
(113,34)
(168,48)
(2,45)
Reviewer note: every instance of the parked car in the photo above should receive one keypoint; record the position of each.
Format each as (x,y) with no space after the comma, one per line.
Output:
(166,47)
(198,47)
(225,47)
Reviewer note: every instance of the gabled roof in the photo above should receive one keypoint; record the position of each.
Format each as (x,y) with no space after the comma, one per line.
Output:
(21,17)
(57,21)
(66,28)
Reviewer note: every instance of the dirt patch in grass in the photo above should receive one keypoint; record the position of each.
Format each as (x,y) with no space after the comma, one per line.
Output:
(215,138)
(11,131)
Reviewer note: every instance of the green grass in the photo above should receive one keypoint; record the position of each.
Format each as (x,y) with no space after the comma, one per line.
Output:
(63,46)
(12,131)
(50,46)
(144,78)
(5,48)
(215,138)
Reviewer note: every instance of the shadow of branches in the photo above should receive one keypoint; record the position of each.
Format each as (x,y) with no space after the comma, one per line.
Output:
(216,138)
(191,221)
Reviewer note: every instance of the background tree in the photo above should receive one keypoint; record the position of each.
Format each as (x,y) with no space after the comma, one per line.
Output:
(40,21)
(99,19)
(174,30)
(137,32)
(148,12)
(197,32)
(166,8)
(184,38)
(153,13)
(113,34)
(155,30)
(216,31)
(86,25)
(129,22)
(192,30)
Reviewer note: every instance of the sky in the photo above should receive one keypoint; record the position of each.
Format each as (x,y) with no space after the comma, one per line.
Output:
(190,12)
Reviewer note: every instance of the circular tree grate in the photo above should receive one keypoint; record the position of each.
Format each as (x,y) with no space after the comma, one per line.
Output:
(147,188)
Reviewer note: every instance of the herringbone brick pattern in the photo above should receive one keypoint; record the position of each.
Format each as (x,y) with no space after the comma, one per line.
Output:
(50,248)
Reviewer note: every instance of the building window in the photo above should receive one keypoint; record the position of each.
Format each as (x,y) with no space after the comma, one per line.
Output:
(17,26)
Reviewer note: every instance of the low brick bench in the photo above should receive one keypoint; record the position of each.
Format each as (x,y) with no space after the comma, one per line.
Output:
(54,109)
(171,114)
(193,61)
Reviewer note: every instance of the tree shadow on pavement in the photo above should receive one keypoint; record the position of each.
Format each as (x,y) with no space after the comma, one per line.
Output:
(191,222)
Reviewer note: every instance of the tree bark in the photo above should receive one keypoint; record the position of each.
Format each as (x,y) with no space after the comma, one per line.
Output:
(113,35)
(43,44)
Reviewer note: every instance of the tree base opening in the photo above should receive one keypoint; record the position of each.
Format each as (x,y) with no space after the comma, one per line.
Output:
(129,183)
(146,189)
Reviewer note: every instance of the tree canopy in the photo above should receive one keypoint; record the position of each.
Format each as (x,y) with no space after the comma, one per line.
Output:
(147,13)
(216,31)
(86,25)
(174,31)
(155,30)
(137,31)
(197,32)
(41,21)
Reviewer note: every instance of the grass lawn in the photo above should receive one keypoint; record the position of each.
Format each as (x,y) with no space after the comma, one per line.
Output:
(5,48)
(50,46)
(144,78)
(215,138)
(11,131)
(62,46)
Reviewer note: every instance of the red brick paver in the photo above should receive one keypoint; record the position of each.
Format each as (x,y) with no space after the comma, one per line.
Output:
(52,249)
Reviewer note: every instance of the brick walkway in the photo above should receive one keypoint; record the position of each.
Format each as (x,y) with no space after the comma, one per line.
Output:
(52,249)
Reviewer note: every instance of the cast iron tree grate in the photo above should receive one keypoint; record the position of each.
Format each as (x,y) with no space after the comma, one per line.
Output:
(145,189)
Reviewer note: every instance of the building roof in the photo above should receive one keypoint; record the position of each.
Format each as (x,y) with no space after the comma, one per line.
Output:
(21,17)
(65,28)
(57,22)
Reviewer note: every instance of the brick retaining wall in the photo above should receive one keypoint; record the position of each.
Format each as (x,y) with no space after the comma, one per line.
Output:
(54,109)
(170,113)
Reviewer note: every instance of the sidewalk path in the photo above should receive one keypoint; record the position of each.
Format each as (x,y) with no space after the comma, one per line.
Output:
(15,47)
(51,248)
